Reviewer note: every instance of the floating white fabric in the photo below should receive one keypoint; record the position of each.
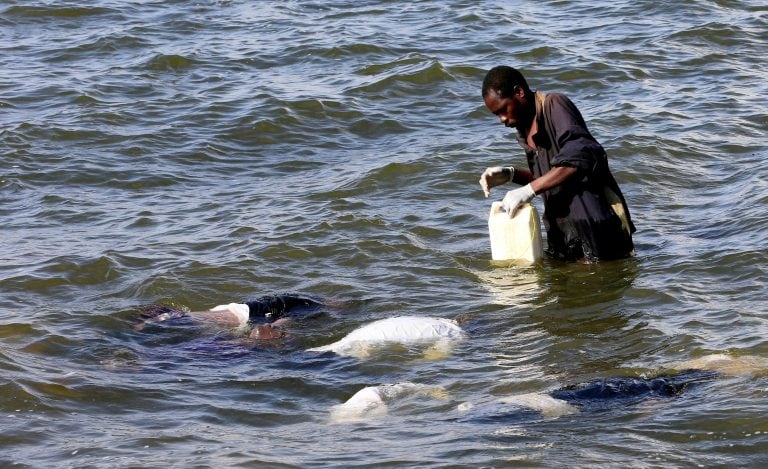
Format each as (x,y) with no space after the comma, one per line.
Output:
(238,309)
(398,330)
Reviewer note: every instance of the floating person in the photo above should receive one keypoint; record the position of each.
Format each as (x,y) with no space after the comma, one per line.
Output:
(439,334)
(374,401)
(585,215)
(267,315)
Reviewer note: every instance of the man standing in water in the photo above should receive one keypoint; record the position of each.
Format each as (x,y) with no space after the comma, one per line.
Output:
(585,214)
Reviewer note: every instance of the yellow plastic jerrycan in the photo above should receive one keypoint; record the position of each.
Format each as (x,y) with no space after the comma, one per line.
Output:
(517,238)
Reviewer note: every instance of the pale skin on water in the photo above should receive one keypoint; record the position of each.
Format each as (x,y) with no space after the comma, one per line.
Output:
(225,317)
(518,112)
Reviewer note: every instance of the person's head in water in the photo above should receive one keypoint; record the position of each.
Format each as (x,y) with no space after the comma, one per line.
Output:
(507,95)
(269,331)
(268,315)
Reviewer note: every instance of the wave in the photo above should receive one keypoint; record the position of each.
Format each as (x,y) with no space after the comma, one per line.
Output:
(51,11)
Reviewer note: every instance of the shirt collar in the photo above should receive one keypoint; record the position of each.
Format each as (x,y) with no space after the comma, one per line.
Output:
(538,98)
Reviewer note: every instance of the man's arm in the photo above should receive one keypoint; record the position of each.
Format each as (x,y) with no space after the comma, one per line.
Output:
(553,178)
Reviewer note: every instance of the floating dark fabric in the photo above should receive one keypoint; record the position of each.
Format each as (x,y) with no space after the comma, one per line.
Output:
(274,307)
(610,391)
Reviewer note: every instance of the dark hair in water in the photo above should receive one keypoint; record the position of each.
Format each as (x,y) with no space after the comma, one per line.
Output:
(503,80)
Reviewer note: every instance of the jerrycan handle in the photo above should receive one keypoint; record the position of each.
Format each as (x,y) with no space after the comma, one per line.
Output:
(497,207)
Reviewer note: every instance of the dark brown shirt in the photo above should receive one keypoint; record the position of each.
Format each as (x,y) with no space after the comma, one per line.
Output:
(587,216)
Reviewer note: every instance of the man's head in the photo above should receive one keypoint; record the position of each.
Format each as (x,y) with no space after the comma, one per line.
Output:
(507,95)
(504,80)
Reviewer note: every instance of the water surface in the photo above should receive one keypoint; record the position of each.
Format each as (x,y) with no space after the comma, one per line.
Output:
(198,153)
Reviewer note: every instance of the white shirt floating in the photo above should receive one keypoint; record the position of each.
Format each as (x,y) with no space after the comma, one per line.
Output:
(517,238)
(439,333)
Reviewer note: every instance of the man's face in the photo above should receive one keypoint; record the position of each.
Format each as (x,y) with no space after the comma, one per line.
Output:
(512,111)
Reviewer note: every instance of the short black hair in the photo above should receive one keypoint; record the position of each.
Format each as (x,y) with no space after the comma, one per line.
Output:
(503,79)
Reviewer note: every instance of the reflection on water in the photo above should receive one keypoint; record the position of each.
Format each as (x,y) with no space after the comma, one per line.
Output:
(513,285)
(562,286)
(587,285)
(566,308)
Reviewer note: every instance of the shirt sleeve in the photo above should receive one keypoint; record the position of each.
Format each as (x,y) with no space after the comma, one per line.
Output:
(577,147)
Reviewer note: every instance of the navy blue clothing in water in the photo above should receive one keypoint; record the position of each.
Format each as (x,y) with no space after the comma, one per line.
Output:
(274,307)
(610,391)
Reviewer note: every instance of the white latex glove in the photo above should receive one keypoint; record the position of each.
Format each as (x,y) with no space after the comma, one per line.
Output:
(517,197)
(495,176)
